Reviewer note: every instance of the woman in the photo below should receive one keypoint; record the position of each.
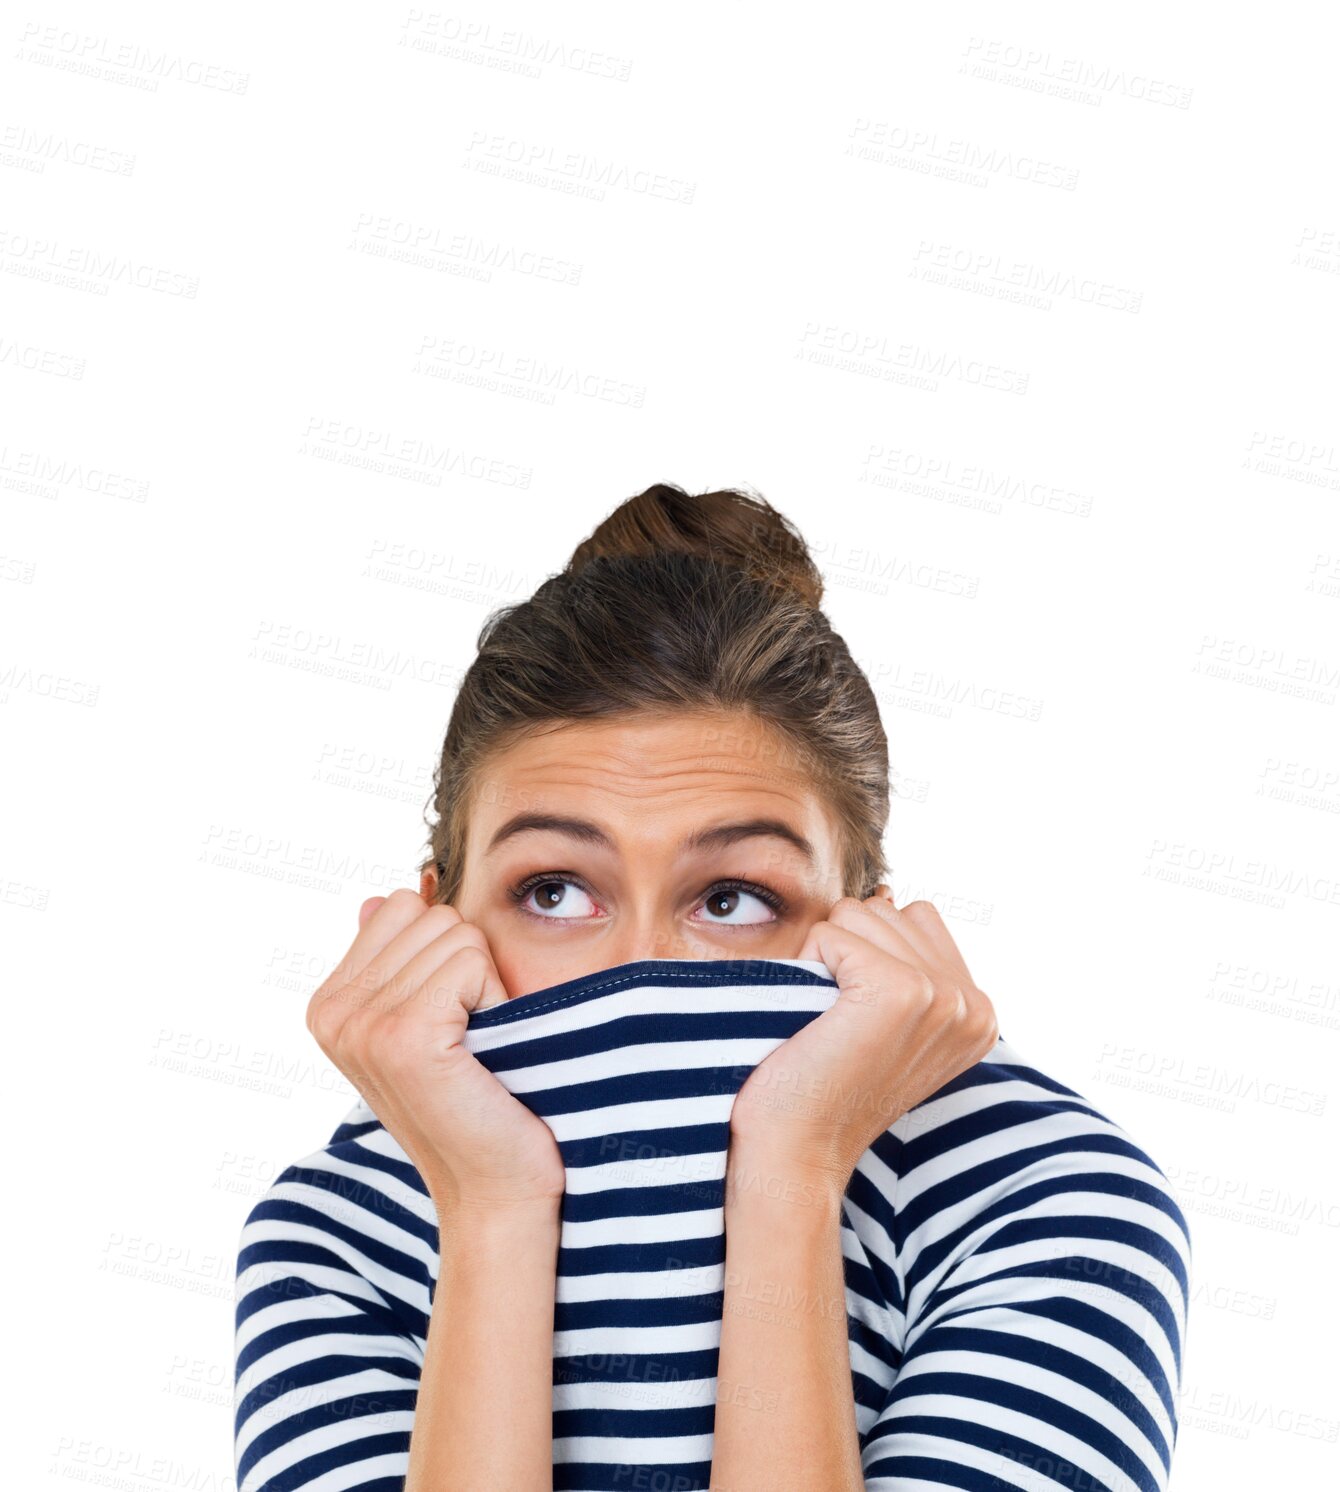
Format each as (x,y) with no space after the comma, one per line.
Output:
(665,784)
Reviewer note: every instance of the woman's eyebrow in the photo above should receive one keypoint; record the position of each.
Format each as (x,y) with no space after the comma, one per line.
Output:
(524,823)
(721,836)
(718,836)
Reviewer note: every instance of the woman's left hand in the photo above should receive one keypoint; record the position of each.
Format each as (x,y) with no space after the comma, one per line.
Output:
(907,1019)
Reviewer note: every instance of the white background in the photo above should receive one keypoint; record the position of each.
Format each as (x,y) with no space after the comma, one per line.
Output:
(326,329)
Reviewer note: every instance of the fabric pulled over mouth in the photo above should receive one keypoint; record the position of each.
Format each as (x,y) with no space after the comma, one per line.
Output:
(1016,1266)
(636,1070)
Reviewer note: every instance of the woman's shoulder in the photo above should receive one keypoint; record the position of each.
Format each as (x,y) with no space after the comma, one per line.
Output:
(351,1216)
(336,1261)
(1005,1153)
(361,1149)
(1038,1250)
(1004,1106)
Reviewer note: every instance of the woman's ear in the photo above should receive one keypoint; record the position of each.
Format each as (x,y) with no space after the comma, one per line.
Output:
(428,884)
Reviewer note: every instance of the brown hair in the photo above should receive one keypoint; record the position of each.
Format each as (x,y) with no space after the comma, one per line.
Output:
(706,603)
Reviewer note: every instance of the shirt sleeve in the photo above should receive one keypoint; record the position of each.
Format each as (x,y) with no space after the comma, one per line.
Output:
(1047,1291)
(327,1363)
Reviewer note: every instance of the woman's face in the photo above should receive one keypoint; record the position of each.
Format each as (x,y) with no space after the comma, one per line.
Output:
(678,835)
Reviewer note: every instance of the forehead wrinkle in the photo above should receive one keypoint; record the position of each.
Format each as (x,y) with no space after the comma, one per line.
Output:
(724,797)
(743,798)
(658,776)
(654,750)
(627,767)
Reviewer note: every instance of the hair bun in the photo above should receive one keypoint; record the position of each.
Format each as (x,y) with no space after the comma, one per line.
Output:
(731,527)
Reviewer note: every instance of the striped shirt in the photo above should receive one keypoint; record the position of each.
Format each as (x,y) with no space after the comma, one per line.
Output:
(1016,1267)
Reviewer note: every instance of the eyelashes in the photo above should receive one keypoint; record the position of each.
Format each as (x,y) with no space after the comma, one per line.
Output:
(764,893)
(522,889)
(519,892)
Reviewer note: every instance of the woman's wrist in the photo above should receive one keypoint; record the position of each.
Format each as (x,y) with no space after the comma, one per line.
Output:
(762,1177)
(470,1216)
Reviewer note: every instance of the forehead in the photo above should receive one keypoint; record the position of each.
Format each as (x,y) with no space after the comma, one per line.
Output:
(634,773)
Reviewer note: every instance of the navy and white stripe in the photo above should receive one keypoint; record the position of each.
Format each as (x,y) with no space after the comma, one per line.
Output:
(1016,1266)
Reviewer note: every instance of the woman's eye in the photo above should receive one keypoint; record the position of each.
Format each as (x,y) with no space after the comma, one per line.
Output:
(722,905)
(558,899)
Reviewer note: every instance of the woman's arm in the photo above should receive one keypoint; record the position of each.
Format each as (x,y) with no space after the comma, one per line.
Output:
(907,1019)
(484,1417)
(785,1413)
(392,1017)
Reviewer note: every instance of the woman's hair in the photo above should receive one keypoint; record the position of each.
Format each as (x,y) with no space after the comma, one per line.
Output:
(675,602)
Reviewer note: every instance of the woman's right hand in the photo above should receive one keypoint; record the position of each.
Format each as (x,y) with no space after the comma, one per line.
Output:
(392,1018)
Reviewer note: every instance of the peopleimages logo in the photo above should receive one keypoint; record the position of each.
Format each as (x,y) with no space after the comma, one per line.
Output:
(76,51)
(44,258)
(1037,71)
(954,157)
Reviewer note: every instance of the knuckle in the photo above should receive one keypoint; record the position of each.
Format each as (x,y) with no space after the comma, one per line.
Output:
(955,1002)
(921,911)
(921,988)
(844,906)
(351,1033)
(469,938)
(980,1021)
(442,918)
(389,1041)
(361,1027)
(473,959)
(464,949)
(477,945)
(374,1040)
(318,1019)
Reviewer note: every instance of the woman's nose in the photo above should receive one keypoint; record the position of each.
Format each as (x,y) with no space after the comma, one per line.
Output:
(662,942)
